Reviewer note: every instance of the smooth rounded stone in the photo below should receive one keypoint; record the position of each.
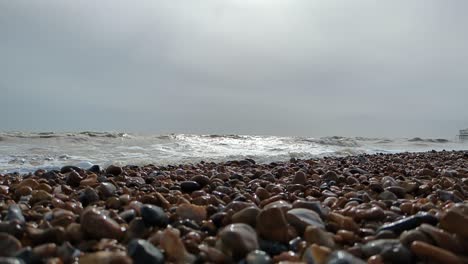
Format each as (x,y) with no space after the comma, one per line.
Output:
(173,246)
(387,195)
(385,234)
(428,252)
(299,178)
(316,254)
(137,229)
(13,228)
(14,213)
(202,180)
(96,224)
(373,213)
(376,187)
(90,180)
(26,255)
(455,220)
(410,222)
(315,206)
(448,196)
(28,182)
(247,216)
(344,222)
(257,257)
(272,248)
(189,186)
(442,238)
(114,170)
(343,257)
(106,189)
(191,211)
(287,256)
(9,245)
(142,251)
(69,168)
(262,193)
(391,250)
(283,205)
(40,236)
(128,215)
(154,215)
(237,240)
(23,191)
(330,176)
(300,218)
(88,196)
(73,233)
(318,235)
(272,225)
(397,190)
(39,196)
(407,237)
(105,257)
(74,179)
(95,169)
(67,253)
(5,260)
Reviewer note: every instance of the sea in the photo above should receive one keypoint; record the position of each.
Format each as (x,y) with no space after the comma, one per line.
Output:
(26,152)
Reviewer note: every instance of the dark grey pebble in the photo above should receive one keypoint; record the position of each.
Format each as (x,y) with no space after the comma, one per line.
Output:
(189,186)
(141,251)
(410,222)
(88,196)
(154,215)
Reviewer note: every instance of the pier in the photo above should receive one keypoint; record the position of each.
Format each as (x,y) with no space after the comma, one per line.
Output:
(463,134)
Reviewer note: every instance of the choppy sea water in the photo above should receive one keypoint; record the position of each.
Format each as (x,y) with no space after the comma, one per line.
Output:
(24,152)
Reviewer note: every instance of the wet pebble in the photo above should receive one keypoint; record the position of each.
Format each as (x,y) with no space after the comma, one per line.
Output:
(141,251)
(154,215)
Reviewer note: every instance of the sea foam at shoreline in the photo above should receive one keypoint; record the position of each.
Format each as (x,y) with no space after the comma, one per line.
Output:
(25,152)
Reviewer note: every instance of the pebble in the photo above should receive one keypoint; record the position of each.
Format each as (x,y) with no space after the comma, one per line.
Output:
(9,245)
(141,252)
(455,220)
(274,225)
(189,186)
(114,170)
(247,216)
(237,240)
(174,248)
(300,218)
(429,252)
(15,213)
(410,222)
(96,224)
(154,215)
(192,212)
(299,178)
(396,208)
(257,257)
(316,254)
(343,257)
(319,236)
(105,257)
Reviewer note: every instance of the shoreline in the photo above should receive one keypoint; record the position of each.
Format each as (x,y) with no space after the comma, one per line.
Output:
(402,207)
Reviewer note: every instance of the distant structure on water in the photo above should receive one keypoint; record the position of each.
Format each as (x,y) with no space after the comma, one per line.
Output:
(463,134)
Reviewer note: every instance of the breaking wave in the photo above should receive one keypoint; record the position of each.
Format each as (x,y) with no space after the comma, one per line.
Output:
(26,151)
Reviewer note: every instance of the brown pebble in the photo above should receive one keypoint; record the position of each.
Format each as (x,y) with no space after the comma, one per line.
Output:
(8,245)
(429,252)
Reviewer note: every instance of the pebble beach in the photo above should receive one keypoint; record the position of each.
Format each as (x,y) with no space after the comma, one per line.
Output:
(379,208)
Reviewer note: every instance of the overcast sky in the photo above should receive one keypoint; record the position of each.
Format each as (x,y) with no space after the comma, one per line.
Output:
(276,67)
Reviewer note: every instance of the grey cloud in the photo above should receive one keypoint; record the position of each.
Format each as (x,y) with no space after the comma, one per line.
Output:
(393,68)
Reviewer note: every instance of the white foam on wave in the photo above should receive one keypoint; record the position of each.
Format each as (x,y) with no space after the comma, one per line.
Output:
(29,151)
